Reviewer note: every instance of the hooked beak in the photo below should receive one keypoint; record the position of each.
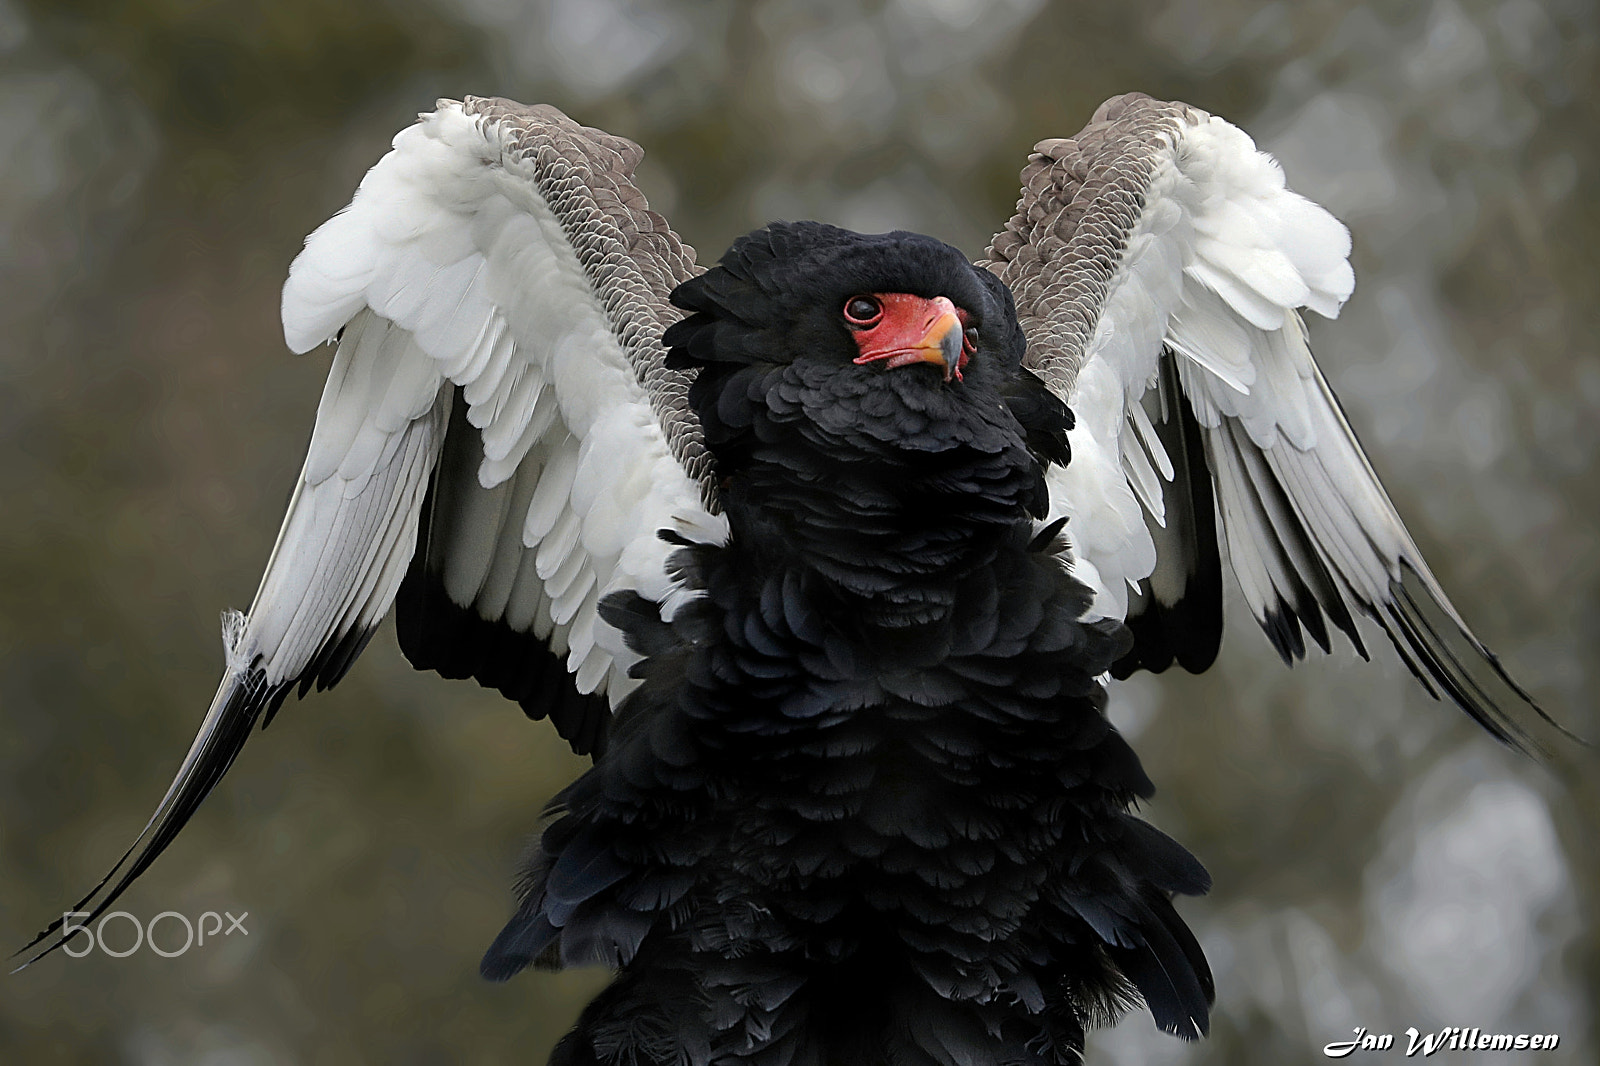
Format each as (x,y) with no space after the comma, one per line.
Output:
(914,330)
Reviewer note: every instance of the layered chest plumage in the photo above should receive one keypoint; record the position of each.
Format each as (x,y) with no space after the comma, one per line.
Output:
(820,807)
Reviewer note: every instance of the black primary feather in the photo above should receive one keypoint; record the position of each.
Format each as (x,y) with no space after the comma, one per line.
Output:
(246,699)
(865,806)
(1176,614)
(457,641)
(435,633)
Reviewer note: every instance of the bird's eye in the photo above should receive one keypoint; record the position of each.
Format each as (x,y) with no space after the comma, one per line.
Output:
(863,311)
(969,339)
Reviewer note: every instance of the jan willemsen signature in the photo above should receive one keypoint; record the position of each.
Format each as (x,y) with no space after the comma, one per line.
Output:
(1450,1038)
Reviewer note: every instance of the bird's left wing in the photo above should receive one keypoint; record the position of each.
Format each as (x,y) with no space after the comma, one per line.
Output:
(498,444)
(1159,266)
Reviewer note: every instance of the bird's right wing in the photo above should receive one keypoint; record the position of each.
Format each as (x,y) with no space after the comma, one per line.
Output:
(1159,265)
(499,442)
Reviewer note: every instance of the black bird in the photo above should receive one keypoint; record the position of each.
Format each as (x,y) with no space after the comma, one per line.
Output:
(808,551)
(866,806)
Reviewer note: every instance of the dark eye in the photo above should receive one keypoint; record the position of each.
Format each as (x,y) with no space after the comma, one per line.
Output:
(969,339)
(863,310)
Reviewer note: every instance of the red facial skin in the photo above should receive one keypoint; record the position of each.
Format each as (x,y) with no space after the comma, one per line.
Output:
(908,329)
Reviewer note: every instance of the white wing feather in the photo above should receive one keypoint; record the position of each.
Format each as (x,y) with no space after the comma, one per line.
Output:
(1214,269)
(447,271)
(1219,261)
(452,258)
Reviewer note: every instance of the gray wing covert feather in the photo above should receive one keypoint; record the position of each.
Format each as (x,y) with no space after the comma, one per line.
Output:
(1229,429)
(377,280)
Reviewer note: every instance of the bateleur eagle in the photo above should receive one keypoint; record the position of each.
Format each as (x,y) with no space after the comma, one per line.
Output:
(825,555)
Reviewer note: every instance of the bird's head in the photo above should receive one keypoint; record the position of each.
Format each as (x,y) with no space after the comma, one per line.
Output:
(888,342)
(804,290)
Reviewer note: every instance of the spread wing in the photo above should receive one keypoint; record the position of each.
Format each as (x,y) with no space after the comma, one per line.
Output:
(498,443)
(1160,265)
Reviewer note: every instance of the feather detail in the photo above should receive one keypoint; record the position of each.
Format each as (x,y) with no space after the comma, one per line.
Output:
(1160,252)
(496,275)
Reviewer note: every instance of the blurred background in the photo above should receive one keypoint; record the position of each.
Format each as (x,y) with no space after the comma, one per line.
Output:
(1379,862)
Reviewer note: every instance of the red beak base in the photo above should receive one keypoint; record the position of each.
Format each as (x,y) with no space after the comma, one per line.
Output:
(914,329)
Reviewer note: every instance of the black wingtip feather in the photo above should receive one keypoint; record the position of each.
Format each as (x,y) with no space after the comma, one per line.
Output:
(437,634)
(239,704)
(335,660)
(1188,631)
(1430,652)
